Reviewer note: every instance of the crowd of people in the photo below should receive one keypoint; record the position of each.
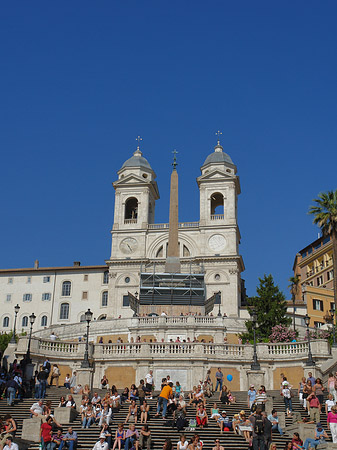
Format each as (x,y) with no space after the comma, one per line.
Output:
(256,427)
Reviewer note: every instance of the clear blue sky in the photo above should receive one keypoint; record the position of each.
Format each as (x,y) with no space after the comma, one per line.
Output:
(81,79)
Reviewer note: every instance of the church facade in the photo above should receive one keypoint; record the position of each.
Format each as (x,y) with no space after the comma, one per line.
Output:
(60,295)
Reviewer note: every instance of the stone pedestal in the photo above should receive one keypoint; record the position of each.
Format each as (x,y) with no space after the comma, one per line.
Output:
(31,429)
(65,415)
(85,376)
(9,354)
(269,405)
(305,430)
(255,377)
(78,401)
(281,419)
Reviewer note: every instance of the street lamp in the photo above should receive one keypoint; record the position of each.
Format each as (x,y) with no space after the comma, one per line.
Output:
(85,363)
(255,364)
(32,318)
(16,310)
(218,295)
(333,321)
(310,361)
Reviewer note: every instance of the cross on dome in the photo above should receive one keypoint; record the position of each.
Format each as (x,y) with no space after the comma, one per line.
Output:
(218,133)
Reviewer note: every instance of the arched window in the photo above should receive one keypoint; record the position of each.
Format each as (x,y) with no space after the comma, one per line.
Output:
(44,321)
(186,251)
(217,204)
(82,318)
(160,252)
(131,209)
(5,322)
(102,317)
(24,322)
(66,288)
(105,298)
(106,277)
(64,311)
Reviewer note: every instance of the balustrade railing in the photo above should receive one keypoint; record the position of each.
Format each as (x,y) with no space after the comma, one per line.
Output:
(161,226)
(217,216)
(58,346)
(294,348)
(265,351)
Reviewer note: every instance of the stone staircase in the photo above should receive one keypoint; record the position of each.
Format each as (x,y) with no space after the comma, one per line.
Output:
(88,437)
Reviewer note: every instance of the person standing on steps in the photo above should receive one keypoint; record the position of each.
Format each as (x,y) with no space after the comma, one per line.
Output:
(149,384)
(219,379)
(258,423)
(163,398)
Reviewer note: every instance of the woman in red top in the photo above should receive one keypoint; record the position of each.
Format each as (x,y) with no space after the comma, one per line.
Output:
(45,433)
(297,442)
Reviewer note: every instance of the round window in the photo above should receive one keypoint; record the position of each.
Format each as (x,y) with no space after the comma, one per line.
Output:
(217,277)
(144,175)
(127,280)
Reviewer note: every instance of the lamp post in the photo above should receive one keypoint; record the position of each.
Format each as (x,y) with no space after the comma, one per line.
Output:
(16,310)
(32,318)
(333,321)
(310,361)
(218,294)
(255,364)
(85,363)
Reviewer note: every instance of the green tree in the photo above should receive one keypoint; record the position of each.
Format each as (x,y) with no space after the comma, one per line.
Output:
(270,306)
(4,340)
(325,212)
(294,286)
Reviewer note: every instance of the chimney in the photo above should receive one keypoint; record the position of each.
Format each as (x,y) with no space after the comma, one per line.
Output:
(36,264)
(77,263)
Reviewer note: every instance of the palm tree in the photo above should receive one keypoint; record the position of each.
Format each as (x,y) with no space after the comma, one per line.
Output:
(293,286)
(325,212)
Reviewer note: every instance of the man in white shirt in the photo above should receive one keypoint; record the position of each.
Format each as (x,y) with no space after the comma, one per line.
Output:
(37,409)
(96,399)
(149,381)
(10,445)
(101,444)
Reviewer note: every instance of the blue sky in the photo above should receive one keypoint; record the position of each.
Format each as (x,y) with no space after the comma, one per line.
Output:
(80,80)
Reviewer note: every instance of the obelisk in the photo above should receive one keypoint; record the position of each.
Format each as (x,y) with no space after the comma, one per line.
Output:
(172,264)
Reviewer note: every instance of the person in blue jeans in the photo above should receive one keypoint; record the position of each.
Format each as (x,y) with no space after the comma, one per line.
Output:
(275,422)
(320,436)
(11,390)
(163,398)
(131,436)
(219,379)
(69,440)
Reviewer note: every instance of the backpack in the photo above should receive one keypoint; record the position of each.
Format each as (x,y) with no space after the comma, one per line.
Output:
(259,425)
(192,424)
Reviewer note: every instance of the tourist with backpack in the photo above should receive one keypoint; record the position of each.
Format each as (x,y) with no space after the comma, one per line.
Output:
(258,423)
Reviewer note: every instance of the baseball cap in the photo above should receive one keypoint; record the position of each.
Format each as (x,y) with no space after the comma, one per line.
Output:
(251,385)
(224,412)
(319,425)
(102,436)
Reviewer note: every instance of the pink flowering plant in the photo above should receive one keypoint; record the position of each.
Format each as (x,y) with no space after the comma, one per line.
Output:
(318,334)
(281,333)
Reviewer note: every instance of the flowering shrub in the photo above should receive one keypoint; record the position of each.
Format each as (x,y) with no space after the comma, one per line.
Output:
(281,333)
(318,334)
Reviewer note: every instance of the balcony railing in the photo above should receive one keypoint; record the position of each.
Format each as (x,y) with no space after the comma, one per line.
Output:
(163,226)
(129,221)
(217,216)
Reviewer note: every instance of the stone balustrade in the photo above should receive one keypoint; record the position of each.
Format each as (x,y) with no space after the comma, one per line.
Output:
(174,350)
